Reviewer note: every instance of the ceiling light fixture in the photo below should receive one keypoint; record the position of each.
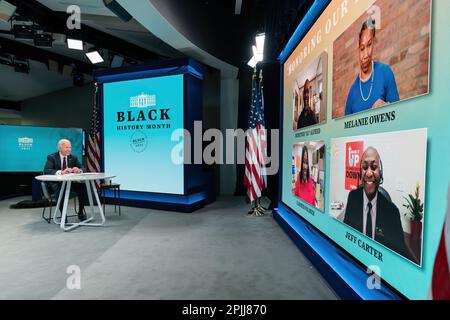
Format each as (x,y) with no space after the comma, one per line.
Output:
(94,56)
(74,44)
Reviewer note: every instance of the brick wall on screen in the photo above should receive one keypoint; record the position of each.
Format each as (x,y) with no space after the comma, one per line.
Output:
(402,42)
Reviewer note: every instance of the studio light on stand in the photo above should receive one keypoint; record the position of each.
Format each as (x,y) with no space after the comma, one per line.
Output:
(260,39)
(258,51)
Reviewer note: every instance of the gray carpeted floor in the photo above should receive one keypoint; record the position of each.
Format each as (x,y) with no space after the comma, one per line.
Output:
(217,252)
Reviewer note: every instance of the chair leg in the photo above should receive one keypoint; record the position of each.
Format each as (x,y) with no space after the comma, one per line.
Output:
(115,200)
(103,193)
(43,215)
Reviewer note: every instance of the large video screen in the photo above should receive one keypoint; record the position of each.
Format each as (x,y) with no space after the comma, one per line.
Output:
(139,118)
(365,82)
(25,148)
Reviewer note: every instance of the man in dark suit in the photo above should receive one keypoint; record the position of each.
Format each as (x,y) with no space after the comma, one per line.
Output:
(369,211)
(62,162)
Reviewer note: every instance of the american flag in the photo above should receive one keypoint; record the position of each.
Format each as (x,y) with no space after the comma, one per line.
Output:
(93,154)
(256,148)
(440,285)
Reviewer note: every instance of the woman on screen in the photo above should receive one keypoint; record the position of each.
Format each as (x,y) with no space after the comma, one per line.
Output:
(375,86)
(304,186)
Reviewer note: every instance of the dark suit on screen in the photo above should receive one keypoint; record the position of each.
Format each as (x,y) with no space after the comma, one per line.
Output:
(388,227)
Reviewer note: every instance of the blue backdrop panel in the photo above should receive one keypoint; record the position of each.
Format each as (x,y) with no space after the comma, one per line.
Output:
(141,109)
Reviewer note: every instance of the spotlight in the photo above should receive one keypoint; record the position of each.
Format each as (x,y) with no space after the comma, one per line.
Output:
(94,56)
(43,39)
(6,59)
(22,28)
(7,10)
(21,65)
(118,10)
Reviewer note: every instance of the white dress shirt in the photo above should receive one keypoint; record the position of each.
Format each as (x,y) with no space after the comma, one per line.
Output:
(373,213)
(61,158)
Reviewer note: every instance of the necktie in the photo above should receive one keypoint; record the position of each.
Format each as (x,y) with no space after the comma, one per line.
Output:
(64,167)
(369,221)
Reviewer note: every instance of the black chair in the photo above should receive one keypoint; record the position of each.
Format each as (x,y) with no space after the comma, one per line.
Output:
(384,193)
(51,200)
(110,186)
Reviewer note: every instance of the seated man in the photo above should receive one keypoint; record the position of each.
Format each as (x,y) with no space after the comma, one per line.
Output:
(62,162)
(370,212)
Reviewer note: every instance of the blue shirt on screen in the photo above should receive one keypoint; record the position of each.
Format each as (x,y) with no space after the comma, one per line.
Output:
(384,87)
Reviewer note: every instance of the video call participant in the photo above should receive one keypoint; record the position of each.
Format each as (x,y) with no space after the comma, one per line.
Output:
(369,211)
(375,85)
(306,117)
(62,162)
(304,186)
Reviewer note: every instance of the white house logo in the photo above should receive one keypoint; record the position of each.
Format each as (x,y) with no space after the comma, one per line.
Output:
(25,143)
(143,101)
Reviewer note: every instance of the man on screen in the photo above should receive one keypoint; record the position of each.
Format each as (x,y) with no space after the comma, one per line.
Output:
(375,85)
(62,162)
(370,210)
(307,117)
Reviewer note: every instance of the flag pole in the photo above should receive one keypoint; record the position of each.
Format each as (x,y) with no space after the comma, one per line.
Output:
(256,209)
